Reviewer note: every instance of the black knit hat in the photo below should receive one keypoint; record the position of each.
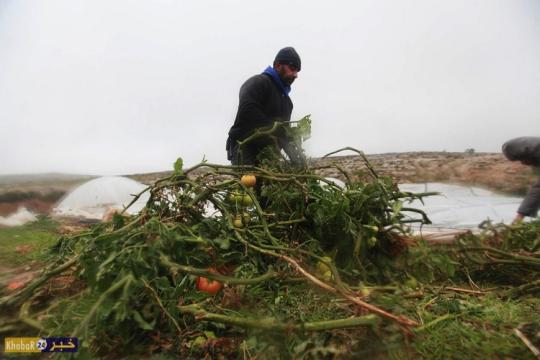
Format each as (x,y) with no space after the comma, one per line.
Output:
(288,56)
(525,149)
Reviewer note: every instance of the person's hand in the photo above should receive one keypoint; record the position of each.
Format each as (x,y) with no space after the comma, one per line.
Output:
(518,219)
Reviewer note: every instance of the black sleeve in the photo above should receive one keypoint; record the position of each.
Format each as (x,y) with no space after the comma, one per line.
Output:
(531,203)
(253,95)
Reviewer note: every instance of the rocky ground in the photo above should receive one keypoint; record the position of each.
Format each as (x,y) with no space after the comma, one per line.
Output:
(488,170)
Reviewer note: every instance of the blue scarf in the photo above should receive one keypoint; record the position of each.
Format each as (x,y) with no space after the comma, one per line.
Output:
(285,89)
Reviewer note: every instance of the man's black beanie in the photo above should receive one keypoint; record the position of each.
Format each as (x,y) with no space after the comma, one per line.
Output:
(288,56)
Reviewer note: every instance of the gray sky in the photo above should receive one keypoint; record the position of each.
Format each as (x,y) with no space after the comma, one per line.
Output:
(116,87)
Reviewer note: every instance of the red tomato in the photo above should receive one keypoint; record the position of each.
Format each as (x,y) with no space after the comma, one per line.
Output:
(15,285)
(208,286)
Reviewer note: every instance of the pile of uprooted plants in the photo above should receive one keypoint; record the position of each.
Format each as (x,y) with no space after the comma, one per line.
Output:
(273,262)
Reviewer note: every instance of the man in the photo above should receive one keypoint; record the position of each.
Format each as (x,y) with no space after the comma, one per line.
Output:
(264,99)
(527,151)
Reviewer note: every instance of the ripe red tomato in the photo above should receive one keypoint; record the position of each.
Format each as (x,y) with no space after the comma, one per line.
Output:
(208,286)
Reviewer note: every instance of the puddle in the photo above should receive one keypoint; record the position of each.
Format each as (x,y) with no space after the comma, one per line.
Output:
(21,217)
(462,207)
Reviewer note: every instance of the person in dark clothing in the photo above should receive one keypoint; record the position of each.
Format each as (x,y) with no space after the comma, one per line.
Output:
(526,150)
(264,99)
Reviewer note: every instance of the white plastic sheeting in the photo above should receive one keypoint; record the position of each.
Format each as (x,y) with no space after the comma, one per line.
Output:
(458,207)
(94,198)
(462,207)
(20,217)
(333,180)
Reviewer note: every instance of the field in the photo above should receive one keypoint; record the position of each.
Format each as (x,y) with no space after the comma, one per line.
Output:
(128,288)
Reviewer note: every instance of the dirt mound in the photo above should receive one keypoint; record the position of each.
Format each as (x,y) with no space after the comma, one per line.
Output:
(486,170)
(36,206)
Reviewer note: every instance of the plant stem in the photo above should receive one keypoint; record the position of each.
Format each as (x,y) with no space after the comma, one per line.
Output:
(346,294)
(160,304)
(224,279)
(270,324)
(435,322)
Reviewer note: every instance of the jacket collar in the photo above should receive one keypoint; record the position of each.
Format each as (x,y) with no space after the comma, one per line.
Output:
(285,89)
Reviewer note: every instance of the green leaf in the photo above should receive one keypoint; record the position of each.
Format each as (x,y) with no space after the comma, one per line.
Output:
(199,341)
(224,243)
(118,221)
(209,334)
(178,166)
(143,324)
(396,207)
(304,127)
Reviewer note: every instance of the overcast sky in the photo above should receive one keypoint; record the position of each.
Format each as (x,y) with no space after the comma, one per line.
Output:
(120,87)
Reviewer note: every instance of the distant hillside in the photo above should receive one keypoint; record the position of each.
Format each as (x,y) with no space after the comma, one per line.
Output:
(41,178)
(40,182)
(488,170)
(36,192)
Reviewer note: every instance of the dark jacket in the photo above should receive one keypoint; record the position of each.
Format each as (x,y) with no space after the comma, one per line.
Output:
(527,150)
(262,103)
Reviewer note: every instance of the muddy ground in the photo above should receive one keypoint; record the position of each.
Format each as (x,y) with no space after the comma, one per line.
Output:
(487,170)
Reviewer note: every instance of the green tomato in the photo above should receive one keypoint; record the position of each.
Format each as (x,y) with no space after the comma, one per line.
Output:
(235,197)
(327,275)
(247,200)
(237,222)
(411,283)
(365,291)
(321,265)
